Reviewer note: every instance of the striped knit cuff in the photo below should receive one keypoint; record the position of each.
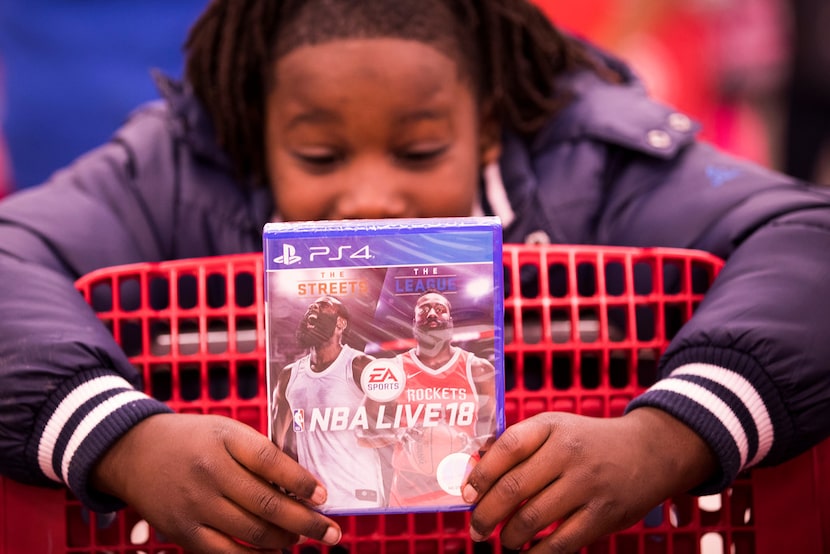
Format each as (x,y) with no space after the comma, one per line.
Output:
(722,407)
(81,420)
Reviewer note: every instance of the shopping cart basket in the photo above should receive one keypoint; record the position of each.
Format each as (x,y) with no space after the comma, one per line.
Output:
(584,329)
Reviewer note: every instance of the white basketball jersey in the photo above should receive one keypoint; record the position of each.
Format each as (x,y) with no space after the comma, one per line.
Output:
(324,406)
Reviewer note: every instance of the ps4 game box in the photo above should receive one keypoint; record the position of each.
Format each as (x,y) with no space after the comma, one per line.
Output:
(385,353)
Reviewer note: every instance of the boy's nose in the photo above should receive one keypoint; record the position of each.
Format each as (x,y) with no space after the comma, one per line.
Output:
(373,198)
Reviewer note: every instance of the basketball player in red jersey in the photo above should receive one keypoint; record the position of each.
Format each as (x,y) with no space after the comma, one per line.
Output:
(453,393)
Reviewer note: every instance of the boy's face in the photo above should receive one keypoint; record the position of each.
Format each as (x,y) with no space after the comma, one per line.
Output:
(373,128)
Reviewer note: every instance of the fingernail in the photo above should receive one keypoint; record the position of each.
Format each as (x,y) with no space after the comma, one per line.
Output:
(332,536)
(302,539)
(319,495)
(469,494)
(476,536)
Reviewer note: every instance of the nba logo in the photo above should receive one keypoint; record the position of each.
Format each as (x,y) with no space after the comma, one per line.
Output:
(299,420)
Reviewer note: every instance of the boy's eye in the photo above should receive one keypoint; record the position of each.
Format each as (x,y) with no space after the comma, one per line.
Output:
(320,159)
(421,155)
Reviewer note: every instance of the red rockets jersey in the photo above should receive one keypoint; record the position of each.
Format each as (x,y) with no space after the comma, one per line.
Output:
(449,389)
(446,395)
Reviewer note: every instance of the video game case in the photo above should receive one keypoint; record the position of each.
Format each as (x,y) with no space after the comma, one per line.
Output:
(385,351)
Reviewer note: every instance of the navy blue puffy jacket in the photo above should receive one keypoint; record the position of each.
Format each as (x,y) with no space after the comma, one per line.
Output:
(750,372)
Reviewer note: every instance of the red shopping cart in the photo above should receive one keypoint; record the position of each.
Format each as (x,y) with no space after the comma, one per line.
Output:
(584,329)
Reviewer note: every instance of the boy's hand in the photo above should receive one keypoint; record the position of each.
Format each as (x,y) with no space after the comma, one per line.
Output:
(595,475)
(205,482)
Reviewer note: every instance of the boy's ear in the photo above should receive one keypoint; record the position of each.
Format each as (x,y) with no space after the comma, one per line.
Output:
(489,138)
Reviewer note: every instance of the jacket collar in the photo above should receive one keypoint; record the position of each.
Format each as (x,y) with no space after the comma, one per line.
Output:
(601,112)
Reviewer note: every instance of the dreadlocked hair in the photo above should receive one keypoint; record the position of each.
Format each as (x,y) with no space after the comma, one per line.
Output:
(507,49)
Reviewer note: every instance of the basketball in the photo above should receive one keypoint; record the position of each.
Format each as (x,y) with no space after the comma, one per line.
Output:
(427,446)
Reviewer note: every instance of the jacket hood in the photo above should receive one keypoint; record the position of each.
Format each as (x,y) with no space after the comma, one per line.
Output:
(196,126)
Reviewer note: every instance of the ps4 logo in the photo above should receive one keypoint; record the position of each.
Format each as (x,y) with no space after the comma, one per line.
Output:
(323,253)
(289,255)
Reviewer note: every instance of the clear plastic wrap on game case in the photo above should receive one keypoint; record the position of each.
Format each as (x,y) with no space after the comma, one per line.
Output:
(385,356)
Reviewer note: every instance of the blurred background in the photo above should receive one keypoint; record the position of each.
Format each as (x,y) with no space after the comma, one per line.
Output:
(755,73)
(727,63)
(71,71)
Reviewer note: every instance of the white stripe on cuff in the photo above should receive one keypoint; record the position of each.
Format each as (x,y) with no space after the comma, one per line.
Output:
(714,404)
(92,419)
(744,390)
(68,406)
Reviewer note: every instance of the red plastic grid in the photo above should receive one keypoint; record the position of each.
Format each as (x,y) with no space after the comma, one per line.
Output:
(584,328)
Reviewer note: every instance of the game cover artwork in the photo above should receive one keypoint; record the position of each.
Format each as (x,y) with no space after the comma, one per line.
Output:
(385,356)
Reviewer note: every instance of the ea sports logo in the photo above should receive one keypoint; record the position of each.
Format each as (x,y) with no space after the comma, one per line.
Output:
(383,379)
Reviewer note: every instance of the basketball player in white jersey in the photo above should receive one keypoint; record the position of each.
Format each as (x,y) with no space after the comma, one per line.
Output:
(316,400)
(447,379)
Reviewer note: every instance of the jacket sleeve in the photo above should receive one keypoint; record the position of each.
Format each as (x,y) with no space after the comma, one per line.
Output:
(750,372)
(67,391)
